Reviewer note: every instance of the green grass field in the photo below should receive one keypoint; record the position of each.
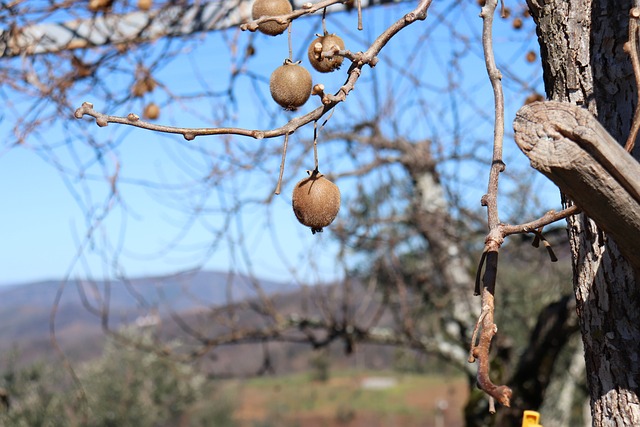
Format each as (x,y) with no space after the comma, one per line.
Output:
(399,400)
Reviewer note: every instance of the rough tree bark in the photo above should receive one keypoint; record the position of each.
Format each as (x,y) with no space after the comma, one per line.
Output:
(581,43)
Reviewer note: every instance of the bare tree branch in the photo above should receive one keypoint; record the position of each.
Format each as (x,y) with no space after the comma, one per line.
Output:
(480,351)
(330,101)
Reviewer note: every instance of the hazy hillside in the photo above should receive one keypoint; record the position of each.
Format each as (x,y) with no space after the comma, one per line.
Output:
(25,310)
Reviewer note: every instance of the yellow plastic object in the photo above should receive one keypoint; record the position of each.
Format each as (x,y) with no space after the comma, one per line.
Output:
(531,419)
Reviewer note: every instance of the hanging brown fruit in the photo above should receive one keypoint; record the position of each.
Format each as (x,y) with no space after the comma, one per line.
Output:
(143,85)
(138,89)
(100,5)
(517,23)
(271,8)
(316,201)
(290,85)
(531,56)
(145,5)
(151,111)
(326,43)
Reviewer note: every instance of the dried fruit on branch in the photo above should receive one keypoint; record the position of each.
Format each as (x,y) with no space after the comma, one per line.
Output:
(290,85)
(316,201)
(151,111)
(143,86)
(271,8)
(326,43)
(100,5)
(145,5)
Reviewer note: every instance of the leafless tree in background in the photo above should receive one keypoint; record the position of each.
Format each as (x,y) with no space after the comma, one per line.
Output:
(407,141)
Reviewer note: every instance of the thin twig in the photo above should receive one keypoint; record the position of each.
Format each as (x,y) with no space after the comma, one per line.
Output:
(477,288)
(315,144)
(324,22)
(490,200)
(474,335)
(540,237)
(284,156)
(290,43)
(480,352)
(81,394)
(546,219)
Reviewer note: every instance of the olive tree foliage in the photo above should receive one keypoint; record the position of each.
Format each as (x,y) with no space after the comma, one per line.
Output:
(30,399)
(127,387)
(123,387)
(412,128)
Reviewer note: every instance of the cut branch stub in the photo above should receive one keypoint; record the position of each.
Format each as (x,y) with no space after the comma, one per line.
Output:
(568,145)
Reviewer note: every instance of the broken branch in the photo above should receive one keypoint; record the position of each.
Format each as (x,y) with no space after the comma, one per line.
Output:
(568,145)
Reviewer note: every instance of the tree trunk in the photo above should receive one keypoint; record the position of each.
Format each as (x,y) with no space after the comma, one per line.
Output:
(581,43)
(568,145)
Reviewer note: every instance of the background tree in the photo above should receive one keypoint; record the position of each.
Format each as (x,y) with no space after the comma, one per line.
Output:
(124,387)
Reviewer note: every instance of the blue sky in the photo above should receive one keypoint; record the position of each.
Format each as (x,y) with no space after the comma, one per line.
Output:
(44,211)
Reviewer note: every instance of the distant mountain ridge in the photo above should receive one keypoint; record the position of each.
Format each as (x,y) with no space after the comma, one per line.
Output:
(207,286)
(25,310)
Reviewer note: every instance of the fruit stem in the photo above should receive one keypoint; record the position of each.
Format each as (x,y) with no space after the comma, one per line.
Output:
(290,45)
(324,22)
(284,157)
(315,144)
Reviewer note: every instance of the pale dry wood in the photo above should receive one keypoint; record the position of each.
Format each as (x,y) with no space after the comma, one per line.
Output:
(568,145)
(144,26)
